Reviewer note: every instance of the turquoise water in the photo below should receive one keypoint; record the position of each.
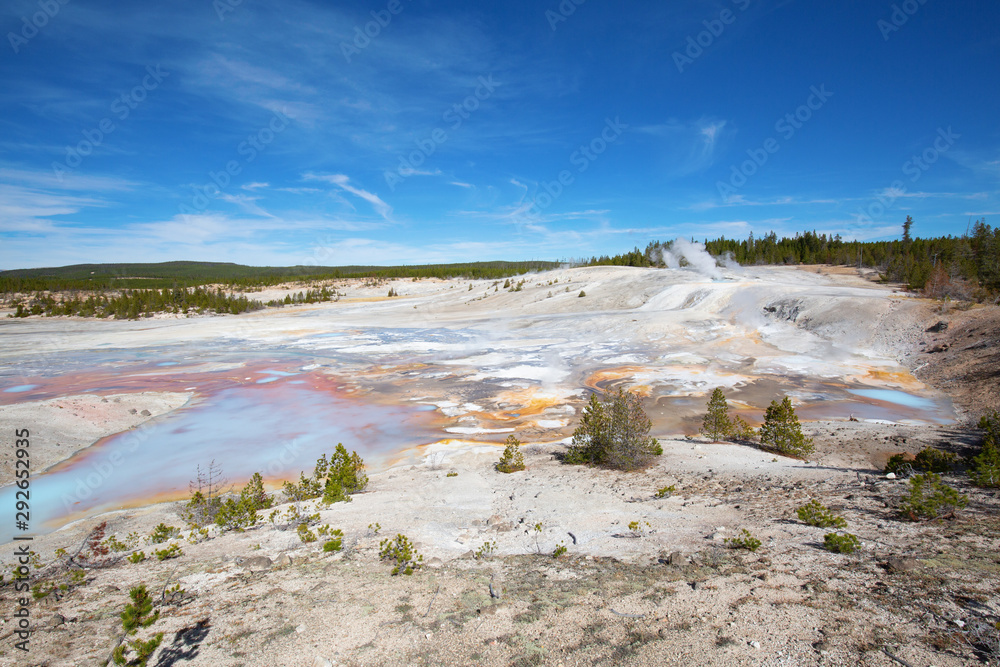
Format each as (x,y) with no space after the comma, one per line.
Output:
(897,397)
(278,429)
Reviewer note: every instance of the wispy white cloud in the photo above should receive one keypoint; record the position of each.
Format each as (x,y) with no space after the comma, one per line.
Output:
(343,182)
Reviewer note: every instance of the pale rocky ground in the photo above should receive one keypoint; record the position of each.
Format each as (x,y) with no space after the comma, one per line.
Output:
(673,595)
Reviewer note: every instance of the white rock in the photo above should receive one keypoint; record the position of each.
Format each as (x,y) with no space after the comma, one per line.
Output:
(891,475)
(754,644)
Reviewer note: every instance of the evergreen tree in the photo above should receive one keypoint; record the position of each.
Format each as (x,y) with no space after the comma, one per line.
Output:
(716,423)
(985,470)
(782,432)
(614,434)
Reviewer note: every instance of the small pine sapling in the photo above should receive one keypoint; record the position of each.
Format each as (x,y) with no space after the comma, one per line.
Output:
(512,459)
(814,513)
(138,615)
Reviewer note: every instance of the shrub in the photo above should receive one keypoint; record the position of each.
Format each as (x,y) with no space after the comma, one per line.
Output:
(638,528)
(743,541)
(985,468)
(334,479)
(841,543)
(162,533)
(582,294)
(137,557)
(336,543)
(512,459)
(930,459)
(240,513)
(173,551)
(402,553)
(305,534)
(485,551)
(930,498)
(781,430)
(666,491)
(814,513)
(716,424)
(452,474)
(138,614)
(899,464)
(559,550)
(614,434)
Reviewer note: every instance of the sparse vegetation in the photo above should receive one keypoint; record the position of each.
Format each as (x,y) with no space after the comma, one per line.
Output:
(743,541)
(401,552)
(665,491)
(137,557)
(614,434)
(930,498)
(241,513)
(841,543)
(638,528)
(486,550)
(173,551)
(985,466)
(305,534)
(928,459)
(512,459)
(782,432)
(162,533)
(335,543)
(334,479)
(814,513)
(559,550)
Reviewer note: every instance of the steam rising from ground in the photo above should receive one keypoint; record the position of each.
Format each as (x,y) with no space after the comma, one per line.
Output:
(694,255)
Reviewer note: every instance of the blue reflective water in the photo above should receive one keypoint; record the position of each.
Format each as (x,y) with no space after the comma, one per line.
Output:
(277,429)
(897,397)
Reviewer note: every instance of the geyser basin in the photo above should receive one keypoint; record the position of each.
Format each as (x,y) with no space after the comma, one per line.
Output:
(490,361)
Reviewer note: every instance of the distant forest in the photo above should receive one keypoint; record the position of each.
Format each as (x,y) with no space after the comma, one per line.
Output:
(963,267)
(960,267)
(131,291)
(237,276)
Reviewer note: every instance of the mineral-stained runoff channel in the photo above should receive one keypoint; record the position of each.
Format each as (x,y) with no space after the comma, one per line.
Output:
(272,391)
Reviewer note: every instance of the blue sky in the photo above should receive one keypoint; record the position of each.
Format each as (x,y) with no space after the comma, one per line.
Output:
(267,133)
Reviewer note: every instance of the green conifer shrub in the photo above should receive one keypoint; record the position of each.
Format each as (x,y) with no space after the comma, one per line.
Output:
(782,432)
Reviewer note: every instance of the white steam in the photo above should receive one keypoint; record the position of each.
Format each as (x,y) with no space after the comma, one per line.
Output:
(694,256)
